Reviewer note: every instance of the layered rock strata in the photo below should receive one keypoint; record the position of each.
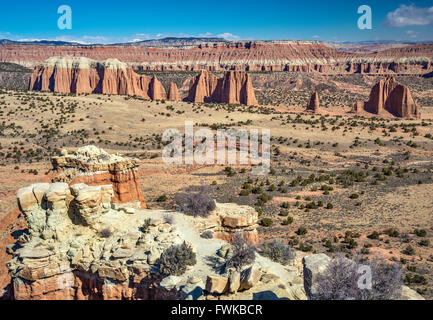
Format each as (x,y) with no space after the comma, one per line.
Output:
(81,246)
(228,219)
(291,56)
(94,166)
(83,75)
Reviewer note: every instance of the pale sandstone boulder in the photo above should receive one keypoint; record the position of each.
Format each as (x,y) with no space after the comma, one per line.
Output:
(314,265)
(56,195)
(217,284)
(26,198)
(250,277)
(234,282)
(409,294)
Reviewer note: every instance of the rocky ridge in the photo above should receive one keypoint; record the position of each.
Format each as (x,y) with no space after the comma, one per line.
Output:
(79,245)
(294,56)
(83,75)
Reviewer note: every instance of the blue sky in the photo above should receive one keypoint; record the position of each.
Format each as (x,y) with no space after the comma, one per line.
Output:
(120,21)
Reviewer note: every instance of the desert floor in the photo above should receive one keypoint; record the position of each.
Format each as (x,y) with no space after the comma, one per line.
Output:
(336,177)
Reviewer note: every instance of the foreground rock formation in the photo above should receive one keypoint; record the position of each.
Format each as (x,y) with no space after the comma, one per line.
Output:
(314,104)
(234,88)
(389,96)
(94,166)
(79,245)
(83,75)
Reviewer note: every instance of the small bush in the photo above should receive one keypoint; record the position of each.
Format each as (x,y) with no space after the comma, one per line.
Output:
(374,235)
(266,222)
(168,218)
(420,232)
(340,281)
(410,251)
(207,234)
(301,231)
(146,225)
(175,259)
(162,198)
(105,233)
(287,221)
(278,251)
(196,204)
(392,232)
(243,254)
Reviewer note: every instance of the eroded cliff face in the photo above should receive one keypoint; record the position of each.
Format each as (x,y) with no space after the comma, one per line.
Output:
(173,93)
(93,166)
(389,95)
(292,56)
(83,75)
(234,88)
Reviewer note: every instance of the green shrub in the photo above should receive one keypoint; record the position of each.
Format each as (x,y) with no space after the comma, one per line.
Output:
(175,259)
(278,251)
(266,222)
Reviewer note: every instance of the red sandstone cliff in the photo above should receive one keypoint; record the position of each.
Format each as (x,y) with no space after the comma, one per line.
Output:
(234,88)
(292,56)
(173,92)
(393,97)
(82,75)
(314,105)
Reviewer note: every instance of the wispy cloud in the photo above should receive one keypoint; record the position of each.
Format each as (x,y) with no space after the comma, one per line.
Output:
(409,16)
(412,34)
(229,36)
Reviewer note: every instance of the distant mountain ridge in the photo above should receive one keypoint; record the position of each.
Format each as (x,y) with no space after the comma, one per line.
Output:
(192,41)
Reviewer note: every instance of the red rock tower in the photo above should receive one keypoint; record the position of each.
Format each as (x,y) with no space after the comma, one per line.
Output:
(314,104)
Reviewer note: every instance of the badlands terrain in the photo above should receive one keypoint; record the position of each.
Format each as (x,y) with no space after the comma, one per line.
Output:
(342,179)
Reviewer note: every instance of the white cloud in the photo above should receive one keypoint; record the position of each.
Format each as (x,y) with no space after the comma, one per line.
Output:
(412,34)
(409,16)
(316,36)
(228,36)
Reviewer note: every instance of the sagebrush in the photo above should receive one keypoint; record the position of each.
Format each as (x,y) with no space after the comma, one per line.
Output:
(175,259)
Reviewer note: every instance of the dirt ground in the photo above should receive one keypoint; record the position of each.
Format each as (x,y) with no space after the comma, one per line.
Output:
(338,176)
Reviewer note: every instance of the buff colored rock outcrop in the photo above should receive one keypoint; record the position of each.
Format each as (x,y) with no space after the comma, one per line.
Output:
(393,97)
(83,75)
(94,166)
(234,88)
(82,246)
(228,219)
